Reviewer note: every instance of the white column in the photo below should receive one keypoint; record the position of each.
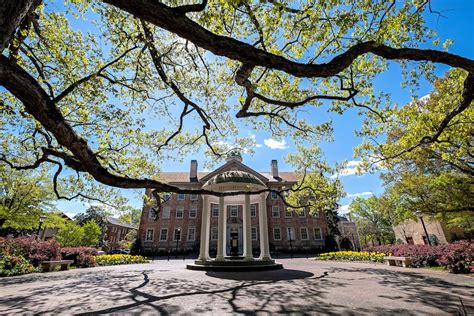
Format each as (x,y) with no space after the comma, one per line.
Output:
(247,230)
(263,223)
(220,231)
(204,246)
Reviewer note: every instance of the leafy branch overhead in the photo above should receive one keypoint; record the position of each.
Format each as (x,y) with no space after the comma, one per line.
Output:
(112,100)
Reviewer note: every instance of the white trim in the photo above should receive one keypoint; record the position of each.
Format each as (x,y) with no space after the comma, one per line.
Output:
(254,208)
(256,232)
(320,233)
(166,212)
(161,233)
(213,208)
(214,229)
(180,234)
(301,233)
(275,207)
(194,233)
(288,214)
(274,196)
(279,229)
(290,232)
(181,209)
(193,197)
(178,196)
(234,208)
(193,208)
(152,234)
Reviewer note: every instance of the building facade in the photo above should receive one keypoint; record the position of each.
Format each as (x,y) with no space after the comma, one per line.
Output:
(115,232)
(179,223)
(412,232)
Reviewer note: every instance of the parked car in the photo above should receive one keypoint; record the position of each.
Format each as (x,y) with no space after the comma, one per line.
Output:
(119,251)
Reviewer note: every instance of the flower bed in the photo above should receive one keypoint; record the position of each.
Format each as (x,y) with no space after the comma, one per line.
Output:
(109,260)
(353,256)
(84,257)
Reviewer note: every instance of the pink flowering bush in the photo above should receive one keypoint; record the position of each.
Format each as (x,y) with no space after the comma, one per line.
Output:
(456,257)
(31,249)
(83,256)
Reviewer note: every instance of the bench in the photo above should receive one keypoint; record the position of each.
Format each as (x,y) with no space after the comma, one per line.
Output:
(48,266)
(396,261)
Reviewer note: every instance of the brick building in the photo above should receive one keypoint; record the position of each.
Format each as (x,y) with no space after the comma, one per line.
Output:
(179,223)
(115,231)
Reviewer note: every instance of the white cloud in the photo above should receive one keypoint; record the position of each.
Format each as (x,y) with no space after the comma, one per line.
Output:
(274,144)
(351,169)
(359,194)
(343,209)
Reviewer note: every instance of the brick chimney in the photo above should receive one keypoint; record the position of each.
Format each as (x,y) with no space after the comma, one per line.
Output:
(193,171)
(275,170)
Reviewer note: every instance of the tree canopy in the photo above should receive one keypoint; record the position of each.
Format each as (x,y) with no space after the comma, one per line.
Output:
(104,107)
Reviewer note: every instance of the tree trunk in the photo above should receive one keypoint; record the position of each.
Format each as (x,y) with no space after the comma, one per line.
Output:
(12,13)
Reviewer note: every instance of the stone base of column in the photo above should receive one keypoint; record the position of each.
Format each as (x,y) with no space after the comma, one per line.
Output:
(219,258)
(265,258)
(248,258)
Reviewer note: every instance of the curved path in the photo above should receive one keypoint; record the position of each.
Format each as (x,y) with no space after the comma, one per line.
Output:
(303,286)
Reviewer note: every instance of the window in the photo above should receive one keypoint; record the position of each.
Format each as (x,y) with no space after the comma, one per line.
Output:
(166,212)
(303,213)
(275,211)
(274,196)
(234,211)
(180,212)
(164,234)
(215,210)
(191,233)
(304,233)
(254,233)
(194,197)
(214,233)
(253,210)
(149,234)
(151,213)
(291,233)
(288,213)
(316,214)
(318,234)
(166,197)
(276,233)
(193,212)
(181,196)
(177,234)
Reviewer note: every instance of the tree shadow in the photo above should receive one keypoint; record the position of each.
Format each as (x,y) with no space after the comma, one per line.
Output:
(97,291)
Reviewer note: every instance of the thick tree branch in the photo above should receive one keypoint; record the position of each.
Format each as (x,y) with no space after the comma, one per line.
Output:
(167,18)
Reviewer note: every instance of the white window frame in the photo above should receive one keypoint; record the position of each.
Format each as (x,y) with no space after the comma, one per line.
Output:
(253,210)
(320,233)
(214,207)
(301,233)
(288,213)
(254,233)
(194,233)
(180,233)
(193,210)
(181,209)
(279,232)
(193,197)
(180,196)
(214,229)
(166,212)
(152,234)
(274,196)
(236,209)
(161,234)
(277,208)
(290,232)
(151,214)
(166,197)
(302,214)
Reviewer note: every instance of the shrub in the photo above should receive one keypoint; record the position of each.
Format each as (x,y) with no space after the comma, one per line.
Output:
(14,265)
(83,256)
(32,250)
(109,260)
(455,257)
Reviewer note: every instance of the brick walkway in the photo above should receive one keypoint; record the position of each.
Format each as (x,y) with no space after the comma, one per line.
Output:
(304,286)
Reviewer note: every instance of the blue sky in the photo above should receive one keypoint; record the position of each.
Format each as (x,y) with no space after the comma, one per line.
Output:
(456,25)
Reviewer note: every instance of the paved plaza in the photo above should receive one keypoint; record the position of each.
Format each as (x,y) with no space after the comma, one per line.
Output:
(304,286)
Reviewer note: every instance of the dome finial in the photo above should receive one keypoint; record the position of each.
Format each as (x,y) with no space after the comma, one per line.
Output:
(234,154)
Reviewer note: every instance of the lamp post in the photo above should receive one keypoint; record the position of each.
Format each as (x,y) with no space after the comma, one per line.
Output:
(291,245)
(177,241)
(418,213)
(41,220)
